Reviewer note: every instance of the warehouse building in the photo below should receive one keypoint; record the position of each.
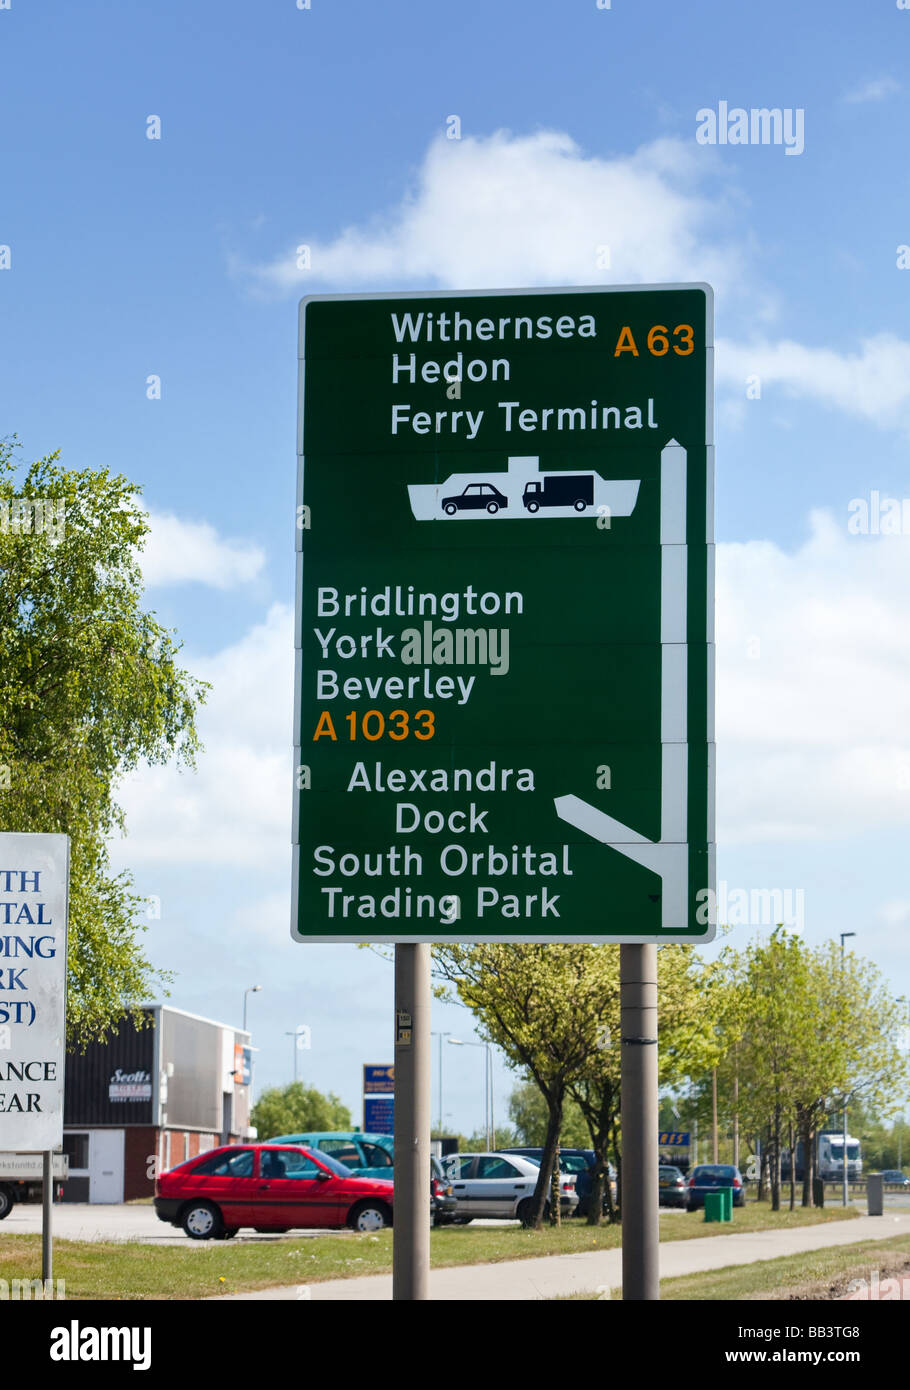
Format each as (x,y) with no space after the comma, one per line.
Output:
(146,1098)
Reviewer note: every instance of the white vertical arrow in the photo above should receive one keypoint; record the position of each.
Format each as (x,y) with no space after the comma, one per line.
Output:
(669,856)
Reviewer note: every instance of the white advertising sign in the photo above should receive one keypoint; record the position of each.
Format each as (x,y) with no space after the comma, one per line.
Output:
(34,883)
(25,1166)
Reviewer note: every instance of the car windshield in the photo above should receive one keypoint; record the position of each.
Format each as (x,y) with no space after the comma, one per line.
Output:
(341,1170)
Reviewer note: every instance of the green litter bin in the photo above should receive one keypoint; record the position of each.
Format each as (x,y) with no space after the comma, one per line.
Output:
(727,1194)
(715,1206)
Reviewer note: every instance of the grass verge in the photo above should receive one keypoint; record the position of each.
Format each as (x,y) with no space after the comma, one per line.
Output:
(122,1270)
(819,1275)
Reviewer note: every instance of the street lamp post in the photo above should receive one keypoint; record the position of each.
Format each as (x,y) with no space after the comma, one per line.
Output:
(296,1036)
(843,937)
(488,1122)
(253,989)
(902,999)
(435,1034)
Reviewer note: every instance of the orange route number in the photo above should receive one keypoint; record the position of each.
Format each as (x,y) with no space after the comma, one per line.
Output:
(658,341)
(373,725)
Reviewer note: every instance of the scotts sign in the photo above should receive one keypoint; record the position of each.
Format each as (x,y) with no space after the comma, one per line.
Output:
(129,1086)
(504,718)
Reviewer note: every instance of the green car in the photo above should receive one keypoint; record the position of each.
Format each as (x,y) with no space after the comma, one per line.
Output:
(367,1155)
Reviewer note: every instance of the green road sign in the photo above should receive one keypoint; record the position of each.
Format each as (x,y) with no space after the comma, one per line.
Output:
(504,694)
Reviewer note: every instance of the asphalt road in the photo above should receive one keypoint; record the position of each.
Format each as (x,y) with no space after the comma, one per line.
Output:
(129,1221)
(80,1221)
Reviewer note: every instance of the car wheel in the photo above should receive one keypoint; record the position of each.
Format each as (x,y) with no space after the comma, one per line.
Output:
(580,505)
(368,1217)
(6,1202)
(202,1221)
(492,508)
(451,509)
(533,506)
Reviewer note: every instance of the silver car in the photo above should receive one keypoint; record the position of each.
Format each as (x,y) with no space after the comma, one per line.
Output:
(500,1186)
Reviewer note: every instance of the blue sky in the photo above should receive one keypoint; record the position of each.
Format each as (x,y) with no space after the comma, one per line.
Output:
(175,257)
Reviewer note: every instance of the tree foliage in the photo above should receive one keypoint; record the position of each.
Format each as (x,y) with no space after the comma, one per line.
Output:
(298,1109)
(685,998)
(554,1011)
(528,1113)
(90,687)
(542,1005)
(802,1031)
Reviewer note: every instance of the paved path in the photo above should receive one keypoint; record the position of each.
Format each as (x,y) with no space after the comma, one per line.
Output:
(520,1280)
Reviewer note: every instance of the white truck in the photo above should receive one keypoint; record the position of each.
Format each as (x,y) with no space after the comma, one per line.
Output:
(21,1178)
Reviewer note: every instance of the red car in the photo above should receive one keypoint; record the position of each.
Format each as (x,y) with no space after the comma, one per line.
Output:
(270,1188)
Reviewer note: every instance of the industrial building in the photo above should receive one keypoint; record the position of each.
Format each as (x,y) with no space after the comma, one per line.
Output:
(146,1098)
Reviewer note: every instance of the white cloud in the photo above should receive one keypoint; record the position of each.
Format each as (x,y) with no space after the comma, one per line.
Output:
(235,810)
(512,210)
(516,210)
(896,912)
(813,740)
(265,919)
(871,384)
(184,552)
(876,90)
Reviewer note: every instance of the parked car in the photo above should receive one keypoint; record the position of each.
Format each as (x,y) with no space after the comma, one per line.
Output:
(708,1177)
(671,1187)
(366,1155)
(271,1188)
(501,1185)
(895,1178)
(476,497)
(443,1202)
(372,1156)
(579,1162)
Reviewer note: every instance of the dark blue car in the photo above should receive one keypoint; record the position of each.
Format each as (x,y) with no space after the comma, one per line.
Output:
(708,1177)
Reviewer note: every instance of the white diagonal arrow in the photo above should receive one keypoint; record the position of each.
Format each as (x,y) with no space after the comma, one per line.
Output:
(667,857)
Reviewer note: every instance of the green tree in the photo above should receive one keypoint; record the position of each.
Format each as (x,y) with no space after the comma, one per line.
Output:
(686,1001)
(542,1005)
(298,1109)
(89,688)
(803,1032)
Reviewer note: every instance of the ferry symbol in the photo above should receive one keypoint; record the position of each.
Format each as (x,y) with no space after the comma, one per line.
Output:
(523,491)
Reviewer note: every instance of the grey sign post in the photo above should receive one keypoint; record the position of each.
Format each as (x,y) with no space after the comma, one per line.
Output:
(638,1011)
(411,1231)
